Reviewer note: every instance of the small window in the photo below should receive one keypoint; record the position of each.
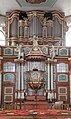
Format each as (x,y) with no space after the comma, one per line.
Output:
(62,67)
(9,67)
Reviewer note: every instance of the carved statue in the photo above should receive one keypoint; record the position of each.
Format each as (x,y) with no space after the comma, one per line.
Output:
(35,43)
(51,96)
(20,51)
(52,52)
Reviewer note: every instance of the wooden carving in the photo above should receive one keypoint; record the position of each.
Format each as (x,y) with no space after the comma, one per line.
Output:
(35,1)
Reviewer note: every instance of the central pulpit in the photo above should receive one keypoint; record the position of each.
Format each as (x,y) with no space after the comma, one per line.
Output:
(31,74)
(36,72)
(36,81)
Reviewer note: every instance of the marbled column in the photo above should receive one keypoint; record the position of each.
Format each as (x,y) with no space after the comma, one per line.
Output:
(19,80)
(51,76)
(18,76)
(16,93)
(48,80)
(48,76)
(22,83)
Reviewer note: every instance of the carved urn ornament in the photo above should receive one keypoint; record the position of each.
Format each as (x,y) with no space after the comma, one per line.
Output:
(35,1)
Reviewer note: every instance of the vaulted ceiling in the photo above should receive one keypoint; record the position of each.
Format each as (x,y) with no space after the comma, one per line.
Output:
(10,5)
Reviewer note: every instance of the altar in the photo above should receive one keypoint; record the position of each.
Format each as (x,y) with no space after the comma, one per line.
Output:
(36,105)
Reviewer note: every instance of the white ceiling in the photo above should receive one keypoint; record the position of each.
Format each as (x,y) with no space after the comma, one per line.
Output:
(10,5)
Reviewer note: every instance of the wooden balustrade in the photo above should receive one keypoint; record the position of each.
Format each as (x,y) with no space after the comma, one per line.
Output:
(36,105)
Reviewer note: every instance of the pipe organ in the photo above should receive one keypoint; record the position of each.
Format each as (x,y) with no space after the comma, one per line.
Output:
(35,63)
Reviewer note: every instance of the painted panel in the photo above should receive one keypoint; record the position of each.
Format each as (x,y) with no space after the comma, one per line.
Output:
(8,98)
(8,90)
(62,78)
(62,90)
(63,52)
(8,77)
(8,51)
(62,97)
